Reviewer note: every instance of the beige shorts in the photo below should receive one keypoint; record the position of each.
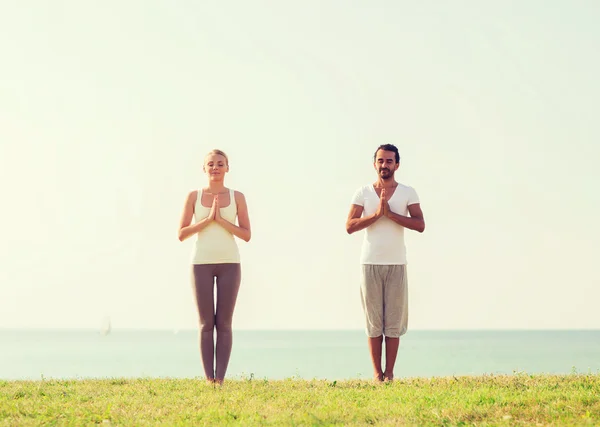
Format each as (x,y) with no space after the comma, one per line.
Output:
(384,297)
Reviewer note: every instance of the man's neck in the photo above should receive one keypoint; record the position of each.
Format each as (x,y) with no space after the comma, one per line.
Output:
(385,183)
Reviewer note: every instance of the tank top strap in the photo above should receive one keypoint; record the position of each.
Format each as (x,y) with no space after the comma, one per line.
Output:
(198,199)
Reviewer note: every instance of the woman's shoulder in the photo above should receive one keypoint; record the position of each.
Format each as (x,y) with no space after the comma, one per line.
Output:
(239,196)
(192,195)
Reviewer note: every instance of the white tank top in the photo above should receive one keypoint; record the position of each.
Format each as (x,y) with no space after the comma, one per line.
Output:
(214,244)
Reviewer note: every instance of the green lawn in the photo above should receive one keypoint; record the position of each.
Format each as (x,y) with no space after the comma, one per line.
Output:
(486,400)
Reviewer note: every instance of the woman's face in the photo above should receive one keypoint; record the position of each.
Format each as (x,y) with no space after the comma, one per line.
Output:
(215,166)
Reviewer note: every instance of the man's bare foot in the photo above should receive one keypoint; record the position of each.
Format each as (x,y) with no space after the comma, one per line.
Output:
(219,381)
(378,376)
(388,377)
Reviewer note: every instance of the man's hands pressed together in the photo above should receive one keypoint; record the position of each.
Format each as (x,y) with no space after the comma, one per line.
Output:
(384,206)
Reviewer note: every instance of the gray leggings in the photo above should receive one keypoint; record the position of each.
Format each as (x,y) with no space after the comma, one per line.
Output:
(228,284)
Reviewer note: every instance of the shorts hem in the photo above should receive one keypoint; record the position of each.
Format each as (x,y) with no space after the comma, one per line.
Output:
(214,262)
(383,263)
(394,335)
(371,335)
(390,335)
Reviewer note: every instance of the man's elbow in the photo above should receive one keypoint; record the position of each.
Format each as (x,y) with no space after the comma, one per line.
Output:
(421,227)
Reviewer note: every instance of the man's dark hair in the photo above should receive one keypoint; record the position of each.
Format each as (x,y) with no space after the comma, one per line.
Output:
(388,147)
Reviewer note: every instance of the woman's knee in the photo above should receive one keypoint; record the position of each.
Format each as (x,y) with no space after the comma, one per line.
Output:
(223,326)
(207,326)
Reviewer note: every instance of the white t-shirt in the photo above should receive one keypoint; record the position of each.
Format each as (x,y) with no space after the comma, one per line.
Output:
(383,243)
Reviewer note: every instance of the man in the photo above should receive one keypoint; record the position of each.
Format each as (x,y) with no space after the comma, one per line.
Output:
(385,209)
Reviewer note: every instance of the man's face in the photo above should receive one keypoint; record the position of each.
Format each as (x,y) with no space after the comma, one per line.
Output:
(385,164)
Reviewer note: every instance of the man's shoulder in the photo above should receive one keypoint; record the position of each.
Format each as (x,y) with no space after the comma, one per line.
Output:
(365,187)
(361,189)
(405,188)
(360,194)
(408,193)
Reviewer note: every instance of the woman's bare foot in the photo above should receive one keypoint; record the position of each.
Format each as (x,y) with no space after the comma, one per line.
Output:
(388,377)
(378,376)
(219,381)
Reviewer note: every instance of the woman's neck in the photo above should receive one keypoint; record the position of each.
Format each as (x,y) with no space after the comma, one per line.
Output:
(215,187)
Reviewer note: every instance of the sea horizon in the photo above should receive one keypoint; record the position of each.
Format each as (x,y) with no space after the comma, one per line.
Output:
(164,329)
(30,354)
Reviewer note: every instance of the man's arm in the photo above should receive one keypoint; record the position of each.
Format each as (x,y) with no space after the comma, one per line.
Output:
(355,223)
(415,221)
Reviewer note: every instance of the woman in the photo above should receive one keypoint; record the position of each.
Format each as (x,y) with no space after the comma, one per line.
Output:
(215,255)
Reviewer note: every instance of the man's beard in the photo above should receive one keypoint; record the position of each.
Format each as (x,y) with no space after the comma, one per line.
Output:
(385,173)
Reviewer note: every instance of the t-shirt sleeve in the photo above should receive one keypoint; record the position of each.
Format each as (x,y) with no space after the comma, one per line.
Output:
(413,197)
(358,198)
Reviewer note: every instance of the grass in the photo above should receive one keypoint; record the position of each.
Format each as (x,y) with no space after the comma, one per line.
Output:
(485,400)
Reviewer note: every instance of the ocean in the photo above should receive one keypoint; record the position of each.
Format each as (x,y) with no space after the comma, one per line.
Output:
(333,355)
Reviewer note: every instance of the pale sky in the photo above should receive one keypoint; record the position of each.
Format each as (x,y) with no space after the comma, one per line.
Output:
(108,108)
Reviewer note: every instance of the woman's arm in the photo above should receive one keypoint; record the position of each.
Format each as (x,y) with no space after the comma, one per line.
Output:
(243,230)
(185,229)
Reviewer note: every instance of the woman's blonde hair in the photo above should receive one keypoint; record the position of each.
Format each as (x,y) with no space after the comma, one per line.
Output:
(218,152)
